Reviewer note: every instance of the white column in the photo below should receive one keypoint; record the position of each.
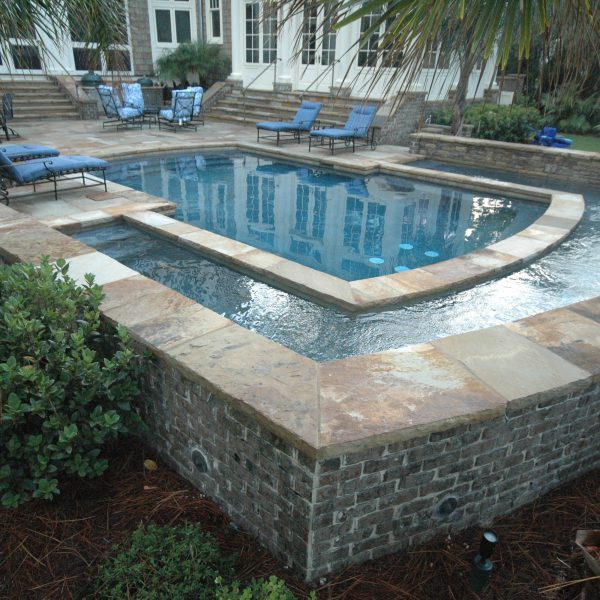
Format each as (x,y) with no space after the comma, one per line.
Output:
(285,50)
(237,40)
(345,54)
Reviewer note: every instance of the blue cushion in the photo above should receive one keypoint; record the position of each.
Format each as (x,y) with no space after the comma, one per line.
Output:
(24,151)
(132,95)
(199,91)
(360,119)
(276,126)
(334,133)
(129,113)
(306,115)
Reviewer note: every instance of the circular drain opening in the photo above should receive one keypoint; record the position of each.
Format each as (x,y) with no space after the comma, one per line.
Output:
(199,460)
(447,506)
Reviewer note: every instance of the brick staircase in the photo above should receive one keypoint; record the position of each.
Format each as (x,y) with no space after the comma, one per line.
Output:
(281,106)
(38,98)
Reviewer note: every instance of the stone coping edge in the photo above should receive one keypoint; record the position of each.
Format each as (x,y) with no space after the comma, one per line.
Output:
(347,405)
(558,221)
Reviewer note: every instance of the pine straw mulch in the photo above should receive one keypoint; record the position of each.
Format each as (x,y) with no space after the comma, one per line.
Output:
(52,550)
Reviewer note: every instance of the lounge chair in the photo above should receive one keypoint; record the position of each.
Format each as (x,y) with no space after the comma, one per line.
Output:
(547,137)
(302,123)
(357,127)
(20,152)
(180,115)
(51,170)
(118,116)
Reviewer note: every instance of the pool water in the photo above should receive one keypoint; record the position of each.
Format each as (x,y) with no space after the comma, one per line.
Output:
(352,227)
(568,274)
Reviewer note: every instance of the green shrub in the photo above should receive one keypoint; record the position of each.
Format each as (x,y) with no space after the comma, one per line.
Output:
(65,387)
(173,562)
(271,589)
(495,122)
(204,60)
(503,123)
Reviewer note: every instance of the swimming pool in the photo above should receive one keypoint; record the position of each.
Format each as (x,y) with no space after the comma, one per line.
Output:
(566,275)
(352,227)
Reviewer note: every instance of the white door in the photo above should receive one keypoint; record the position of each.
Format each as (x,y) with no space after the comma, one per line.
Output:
(316,62)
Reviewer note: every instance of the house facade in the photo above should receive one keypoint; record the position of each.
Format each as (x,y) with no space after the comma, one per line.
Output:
(264,54)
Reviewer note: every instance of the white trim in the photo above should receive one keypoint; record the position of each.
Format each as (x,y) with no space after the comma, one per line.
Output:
(159,48)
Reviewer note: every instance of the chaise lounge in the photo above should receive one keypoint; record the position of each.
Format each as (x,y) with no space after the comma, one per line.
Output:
(357,127)
(52,170)
(303,122)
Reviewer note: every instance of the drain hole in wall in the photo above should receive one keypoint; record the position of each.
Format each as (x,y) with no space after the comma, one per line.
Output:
(447,506)
(236,457)
(199,460)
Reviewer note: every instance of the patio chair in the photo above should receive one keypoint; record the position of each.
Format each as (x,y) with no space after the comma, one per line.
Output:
(118,116)
(6,114)
(52,170)
(302,123)
(197,116)
(547,137)
(20,152)
(180,115)
(357,127)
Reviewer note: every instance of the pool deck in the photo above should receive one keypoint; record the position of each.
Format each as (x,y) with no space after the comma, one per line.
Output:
(88,208)
(322,408)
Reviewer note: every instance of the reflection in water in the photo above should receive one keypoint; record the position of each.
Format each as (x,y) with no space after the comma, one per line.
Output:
(347,226)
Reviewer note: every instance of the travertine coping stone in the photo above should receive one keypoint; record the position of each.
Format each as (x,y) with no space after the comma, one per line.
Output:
(350,404)
(561,217)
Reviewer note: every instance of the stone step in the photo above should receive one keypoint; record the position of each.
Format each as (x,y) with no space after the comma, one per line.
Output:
(37,115)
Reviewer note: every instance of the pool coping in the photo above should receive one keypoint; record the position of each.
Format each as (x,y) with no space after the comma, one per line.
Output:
(563,214)
(326,409)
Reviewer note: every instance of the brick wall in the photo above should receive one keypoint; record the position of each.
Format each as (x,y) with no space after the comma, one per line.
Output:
(403,121)
(321,515)
(141,47)
(384,499)
(523,158)
(261,481)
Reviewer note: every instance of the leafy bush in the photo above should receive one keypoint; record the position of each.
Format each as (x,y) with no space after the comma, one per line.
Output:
(496,122)
(177,562)
(271,589)
(572,113)
(65,388)
(503,123)
(204,60)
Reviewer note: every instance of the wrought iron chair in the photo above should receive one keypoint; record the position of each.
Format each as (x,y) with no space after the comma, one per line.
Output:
(357,127)
(181,113)
(302,123)
(118,116)
(6,114)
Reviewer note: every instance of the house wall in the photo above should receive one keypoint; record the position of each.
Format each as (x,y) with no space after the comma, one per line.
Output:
(141,48)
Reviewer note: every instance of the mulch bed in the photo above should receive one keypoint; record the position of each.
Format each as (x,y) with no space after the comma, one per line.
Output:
(52,550)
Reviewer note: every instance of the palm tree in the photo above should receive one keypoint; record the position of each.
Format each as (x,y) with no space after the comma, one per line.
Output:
(101,22)
(472,30)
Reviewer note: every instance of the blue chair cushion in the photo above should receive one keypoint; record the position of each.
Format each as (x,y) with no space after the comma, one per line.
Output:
(334,133)
(8,169)
(25,151)
(33,170)
(360,120)
(129,113)
(132,95)
(276,126)
(199,91)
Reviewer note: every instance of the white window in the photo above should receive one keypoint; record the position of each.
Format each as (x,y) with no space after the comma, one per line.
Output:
(214,22)
(86,55)
(261,34)
(372,49)
(173,22)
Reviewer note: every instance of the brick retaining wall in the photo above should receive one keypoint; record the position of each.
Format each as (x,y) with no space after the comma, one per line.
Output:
(319,515)
(571,165)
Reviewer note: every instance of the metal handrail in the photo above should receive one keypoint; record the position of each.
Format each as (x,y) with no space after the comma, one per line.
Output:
(245,89)
(331,68)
